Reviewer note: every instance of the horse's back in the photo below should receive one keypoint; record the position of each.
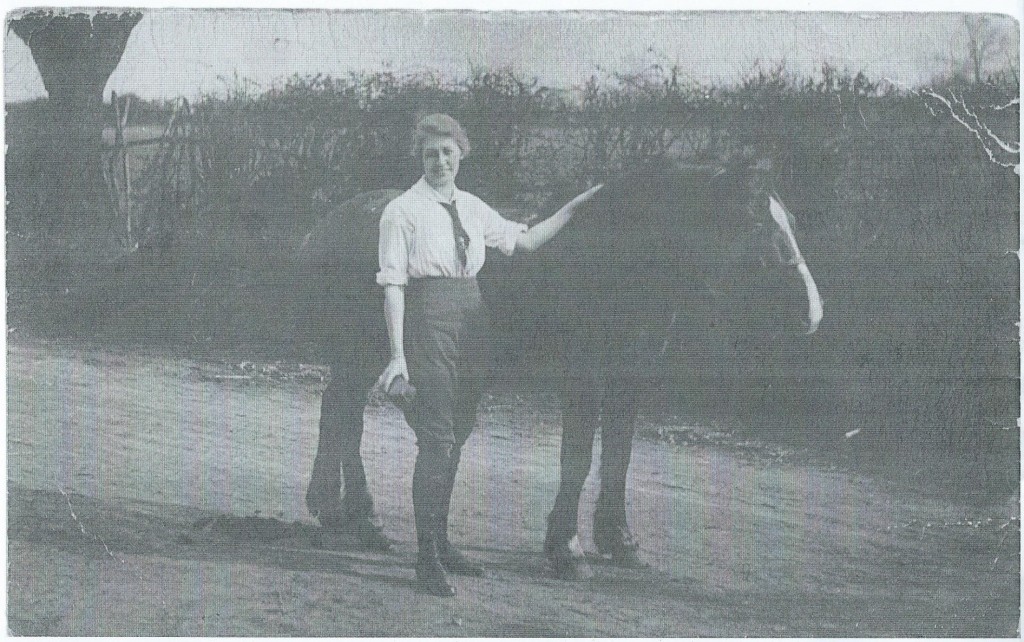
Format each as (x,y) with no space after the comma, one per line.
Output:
(338,258)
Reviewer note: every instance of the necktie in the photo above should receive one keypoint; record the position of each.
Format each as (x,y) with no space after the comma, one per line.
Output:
(461,237)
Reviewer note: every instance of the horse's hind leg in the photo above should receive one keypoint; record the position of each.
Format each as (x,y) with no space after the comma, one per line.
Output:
(338,454)
(580,409)
(612,534)
(341,434)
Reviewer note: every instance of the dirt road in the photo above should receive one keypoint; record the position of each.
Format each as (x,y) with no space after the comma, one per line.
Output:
(151,495)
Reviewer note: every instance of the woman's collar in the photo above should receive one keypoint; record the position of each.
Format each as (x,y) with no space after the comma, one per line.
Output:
(433,194)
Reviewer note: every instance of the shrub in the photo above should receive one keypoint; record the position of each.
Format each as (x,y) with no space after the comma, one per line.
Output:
(907,223)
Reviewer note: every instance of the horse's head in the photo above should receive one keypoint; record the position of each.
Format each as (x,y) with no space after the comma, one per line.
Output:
(757,261)
(687,245)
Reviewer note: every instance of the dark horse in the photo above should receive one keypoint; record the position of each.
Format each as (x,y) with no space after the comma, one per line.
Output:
(655,255)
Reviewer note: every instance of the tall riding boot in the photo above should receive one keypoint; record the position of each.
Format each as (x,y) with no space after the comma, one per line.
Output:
(452,560)
(429,482)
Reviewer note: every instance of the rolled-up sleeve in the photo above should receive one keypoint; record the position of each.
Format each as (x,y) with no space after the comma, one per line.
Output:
(500,232)
(393,248)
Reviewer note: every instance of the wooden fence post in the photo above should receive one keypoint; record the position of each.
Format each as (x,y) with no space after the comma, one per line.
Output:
(117,170)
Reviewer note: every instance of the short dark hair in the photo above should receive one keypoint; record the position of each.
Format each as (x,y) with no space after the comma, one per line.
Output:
(439,125)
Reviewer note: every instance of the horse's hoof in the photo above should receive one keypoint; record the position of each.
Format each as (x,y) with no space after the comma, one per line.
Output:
(619,545)
(570,569)
(567,561)
(627,559)
(373,537)
(455,562)
(430,573)
(435,585)
(332,524)
(329,520)
(369,534)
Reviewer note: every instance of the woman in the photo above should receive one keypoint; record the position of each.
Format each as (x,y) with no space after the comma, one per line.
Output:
(432,244)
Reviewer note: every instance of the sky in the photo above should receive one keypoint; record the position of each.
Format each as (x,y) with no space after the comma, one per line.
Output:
(191,52)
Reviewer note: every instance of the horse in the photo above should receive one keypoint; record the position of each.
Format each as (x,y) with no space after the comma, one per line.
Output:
(656,254)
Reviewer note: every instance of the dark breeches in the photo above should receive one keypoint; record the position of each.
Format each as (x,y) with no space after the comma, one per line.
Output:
(449,377)
(447,349)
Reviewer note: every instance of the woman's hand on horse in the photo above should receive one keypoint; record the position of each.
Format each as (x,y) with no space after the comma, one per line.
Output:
(583,198)
(395,368)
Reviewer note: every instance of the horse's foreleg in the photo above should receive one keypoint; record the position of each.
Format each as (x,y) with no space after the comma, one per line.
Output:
(620,412)
(611,528)
(581,403)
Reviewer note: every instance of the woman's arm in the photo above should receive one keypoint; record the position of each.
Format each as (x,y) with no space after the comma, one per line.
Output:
(532,239)
(394,316)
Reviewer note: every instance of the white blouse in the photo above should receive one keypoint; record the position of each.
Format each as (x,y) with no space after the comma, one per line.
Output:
(416,237)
